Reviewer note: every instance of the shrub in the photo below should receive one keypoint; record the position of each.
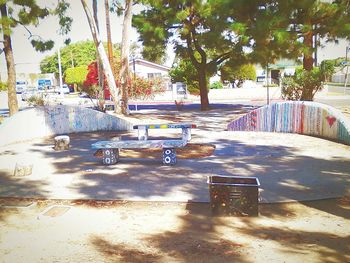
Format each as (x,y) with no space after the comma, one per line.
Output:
(36,101)
(3,86)
(291,90)
(141,88)
(138,88)
(303,85)
(216,85)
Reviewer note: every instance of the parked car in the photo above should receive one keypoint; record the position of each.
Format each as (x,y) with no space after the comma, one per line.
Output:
(21,86)
(65,89)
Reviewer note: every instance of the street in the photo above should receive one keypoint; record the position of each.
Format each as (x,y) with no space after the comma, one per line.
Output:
(225,98)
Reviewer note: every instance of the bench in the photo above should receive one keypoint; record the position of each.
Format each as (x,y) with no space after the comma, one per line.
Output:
(186,129)
(110,149)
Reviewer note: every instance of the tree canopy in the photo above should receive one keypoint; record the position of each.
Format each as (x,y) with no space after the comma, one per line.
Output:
(242,72)
(77,54)
(191,26)
(73,55)
(184,71)
(212,32)
(76,75)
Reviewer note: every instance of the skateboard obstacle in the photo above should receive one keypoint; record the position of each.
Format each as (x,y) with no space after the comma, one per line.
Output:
(302,117)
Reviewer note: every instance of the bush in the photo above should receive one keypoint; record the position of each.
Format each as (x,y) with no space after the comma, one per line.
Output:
(141,88)
(303,85)
(36,101)
(291,90)
(216,85)
(3,86)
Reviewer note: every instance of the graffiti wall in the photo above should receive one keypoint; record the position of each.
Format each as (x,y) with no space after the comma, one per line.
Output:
(301,117)
(61,119)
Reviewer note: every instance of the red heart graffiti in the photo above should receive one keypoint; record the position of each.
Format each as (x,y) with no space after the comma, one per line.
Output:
(331,120)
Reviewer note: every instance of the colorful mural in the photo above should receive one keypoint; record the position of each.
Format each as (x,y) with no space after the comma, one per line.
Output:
(303,117)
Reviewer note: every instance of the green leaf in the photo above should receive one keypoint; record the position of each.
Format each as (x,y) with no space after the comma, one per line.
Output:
(42,45)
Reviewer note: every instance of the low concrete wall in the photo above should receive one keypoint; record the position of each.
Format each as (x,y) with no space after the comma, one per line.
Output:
(303,117)
(62,119)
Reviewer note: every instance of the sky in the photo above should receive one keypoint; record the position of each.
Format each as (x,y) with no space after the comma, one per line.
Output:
(27,60)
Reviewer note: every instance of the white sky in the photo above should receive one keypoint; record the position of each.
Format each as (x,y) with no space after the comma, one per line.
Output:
(27,59)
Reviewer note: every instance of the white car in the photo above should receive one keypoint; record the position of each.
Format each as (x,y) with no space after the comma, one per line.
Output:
(64,90)
(21,86)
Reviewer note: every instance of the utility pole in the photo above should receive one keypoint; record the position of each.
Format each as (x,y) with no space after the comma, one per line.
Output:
(347,67)
(267,85)
(60,72)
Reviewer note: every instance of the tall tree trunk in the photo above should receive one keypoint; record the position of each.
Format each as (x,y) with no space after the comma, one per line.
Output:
(10,63)
(100,93)
(109,36)
(104,59)
(308,64)
(124,71)
(308,60)
(203,87)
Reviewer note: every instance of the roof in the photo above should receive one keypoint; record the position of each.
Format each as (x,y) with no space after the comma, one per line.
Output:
(146,63)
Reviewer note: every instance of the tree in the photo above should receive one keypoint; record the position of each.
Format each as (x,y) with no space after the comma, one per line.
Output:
(185,72)
(109,36)
(195,25)
(155,53)
(125,53)
(312,20)
(328,69)
(76,75)
(73,55)
(10,63)
(24,13)
(103,56)
(212,32)
(100,90)
(243,72)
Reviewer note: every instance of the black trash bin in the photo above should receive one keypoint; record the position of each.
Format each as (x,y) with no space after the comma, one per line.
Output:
(234,195)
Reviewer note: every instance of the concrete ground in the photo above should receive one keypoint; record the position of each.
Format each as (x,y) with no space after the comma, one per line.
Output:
(289,166)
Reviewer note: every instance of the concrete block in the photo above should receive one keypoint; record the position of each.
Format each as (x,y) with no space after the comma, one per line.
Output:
(62,142)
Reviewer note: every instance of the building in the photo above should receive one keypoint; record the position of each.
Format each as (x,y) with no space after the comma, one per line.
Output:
(149,70)
(276,71)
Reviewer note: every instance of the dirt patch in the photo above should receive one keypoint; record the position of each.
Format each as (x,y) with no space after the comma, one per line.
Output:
(121,231)
(190,151)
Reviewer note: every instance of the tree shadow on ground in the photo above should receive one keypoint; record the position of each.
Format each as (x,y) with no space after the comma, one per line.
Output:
(202,237)
(20,186)
(338,207)
(282,171)
(329,247)
(122,252)
(196,241)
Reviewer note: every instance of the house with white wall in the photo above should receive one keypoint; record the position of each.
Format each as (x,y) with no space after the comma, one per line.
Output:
(148,70)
